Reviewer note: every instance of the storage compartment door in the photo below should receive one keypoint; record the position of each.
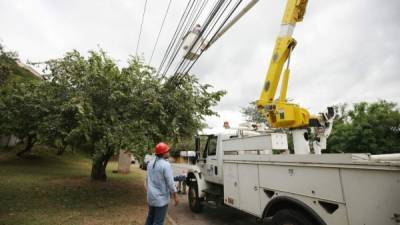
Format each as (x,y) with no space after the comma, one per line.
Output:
(249,191)
(231,185)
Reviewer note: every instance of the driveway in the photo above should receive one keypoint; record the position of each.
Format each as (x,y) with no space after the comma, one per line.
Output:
(210,215)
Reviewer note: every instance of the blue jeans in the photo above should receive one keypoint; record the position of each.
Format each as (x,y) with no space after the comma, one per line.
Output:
(156,215)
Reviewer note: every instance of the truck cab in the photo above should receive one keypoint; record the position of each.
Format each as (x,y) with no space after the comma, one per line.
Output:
(211,151)
(206,180)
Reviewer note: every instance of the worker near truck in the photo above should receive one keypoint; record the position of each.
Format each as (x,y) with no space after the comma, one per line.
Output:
(160,186)
(181,180)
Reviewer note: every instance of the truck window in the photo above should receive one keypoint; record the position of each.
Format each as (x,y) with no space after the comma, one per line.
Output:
(212,145)
(203,146)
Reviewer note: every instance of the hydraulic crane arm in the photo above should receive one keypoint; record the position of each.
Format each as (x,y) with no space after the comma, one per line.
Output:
(279,113)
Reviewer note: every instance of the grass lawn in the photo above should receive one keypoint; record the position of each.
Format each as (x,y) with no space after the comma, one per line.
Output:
(47,189)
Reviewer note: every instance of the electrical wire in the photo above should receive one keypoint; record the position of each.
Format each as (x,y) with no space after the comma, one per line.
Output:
(159,32)
(180,41)
(221,26)
(187,64)
(211,16)
(141,26)
(176,33)
(181,71)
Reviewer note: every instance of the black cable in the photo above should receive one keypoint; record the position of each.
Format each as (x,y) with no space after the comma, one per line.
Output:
(199,12)
(141,26)
(173,38)
(179,42)
(196,18)
(208,21)
(176,76)
(159,32)
(192,14)
(222,25)
(187,64)
(172,42)
(176,42)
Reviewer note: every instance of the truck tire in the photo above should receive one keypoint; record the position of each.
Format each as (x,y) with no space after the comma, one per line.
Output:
(290,217)
(195,203)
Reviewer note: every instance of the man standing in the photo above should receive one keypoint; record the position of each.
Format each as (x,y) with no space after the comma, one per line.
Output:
(160,186)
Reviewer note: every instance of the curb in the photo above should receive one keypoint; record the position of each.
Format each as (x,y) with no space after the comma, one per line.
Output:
(172,221)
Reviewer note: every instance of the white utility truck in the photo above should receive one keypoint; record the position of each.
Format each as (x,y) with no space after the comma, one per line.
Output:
(252,171)
(238,168)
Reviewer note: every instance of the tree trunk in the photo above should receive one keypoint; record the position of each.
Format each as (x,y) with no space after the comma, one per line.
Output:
(98,171)
(61,149)
(28,147)
(99,166)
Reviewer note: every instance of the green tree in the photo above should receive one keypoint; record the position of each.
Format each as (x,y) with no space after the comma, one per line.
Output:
(5,69)
(132,108)
(367,127)
(22,111)
(57,128)
(252,114)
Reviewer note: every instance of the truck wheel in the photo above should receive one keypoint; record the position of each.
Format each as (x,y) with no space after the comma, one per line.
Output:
(290,217)
(194,199)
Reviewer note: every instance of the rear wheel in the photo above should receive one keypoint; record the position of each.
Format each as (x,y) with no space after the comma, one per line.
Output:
(194,199)
(290,217)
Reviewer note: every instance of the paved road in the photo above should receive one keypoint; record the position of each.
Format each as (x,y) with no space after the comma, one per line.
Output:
(210,216)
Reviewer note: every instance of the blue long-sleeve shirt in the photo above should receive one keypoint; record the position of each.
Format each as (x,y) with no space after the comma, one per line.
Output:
(160,182)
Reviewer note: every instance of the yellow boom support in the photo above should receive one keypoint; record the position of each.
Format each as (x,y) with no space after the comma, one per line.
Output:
(279,113)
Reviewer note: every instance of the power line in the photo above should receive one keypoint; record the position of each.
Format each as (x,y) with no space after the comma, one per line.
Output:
(186,64)
(215,34)
(141,26)
(208,22)
(192,15)
(199,12)
(210,17)
(179,40)
(159,32)
(165,57)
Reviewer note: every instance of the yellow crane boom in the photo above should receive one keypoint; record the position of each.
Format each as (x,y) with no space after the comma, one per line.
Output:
(279,113)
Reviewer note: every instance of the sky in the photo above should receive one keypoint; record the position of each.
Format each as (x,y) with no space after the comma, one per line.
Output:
(347,51)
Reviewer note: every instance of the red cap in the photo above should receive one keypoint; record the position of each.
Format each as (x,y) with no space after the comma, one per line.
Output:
(161,148)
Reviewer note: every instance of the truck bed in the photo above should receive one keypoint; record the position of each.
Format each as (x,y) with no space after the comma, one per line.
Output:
(361,161)
(362,191)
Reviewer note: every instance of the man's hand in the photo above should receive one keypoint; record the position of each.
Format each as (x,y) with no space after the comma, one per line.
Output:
(176,199)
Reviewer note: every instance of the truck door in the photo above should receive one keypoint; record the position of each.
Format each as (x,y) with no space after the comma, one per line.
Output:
(210,167)
(249,191)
